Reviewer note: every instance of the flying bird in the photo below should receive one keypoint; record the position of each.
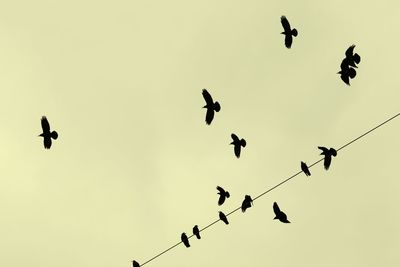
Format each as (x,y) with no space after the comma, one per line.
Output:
(211,106)
(47,135)
(237,144)
(328,153)
(196,231)
(280,215)
(346,72)
(288,32)
(222,195)
(135,264)
(185,240)
(305,169)
(223,218)
(247,203)
(353,58)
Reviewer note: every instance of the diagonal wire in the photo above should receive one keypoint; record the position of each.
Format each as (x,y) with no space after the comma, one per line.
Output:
(274,187)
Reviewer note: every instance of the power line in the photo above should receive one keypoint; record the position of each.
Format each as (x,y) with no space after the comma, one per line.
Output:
(274,187)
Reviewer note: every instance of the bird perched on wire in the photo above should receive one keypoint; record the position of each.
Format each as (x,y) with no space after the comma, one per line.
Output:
(211,106)
(223,195)
(237,144)
(288,32)
(305,169)
(346,71)
(196,231)
(185,240)
(47,134)
(328,153)
(352,58)
(280,215)
(135,264)
(247,203)
(223,218)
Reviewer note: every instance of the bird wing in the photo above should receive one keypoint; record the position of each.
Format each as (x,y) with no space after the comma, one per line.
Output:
(234,137)
(288,40)
(285,24)
(237,150)
(324,149)
(327,161)
(207,97)
(47,142)
(221,190)
(345,78)
(209,115)
(45,125)
(221,199)
(277,211)
(349,51)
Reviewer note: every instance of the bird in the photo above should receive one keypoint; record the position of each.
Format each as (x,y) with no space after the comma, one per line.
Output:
(211,106)
(305,169)
(223,218)
(328,153)
(237,144)
(135,264)
(247,202)
(185,240)
(196,231)
(223,195)
(47,135)
(352,58)
(280,215)
(288,32)
(346,72)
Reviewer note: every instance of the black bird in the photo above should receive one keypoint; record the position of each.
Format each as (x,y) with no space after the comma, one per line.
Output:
(47,135)
(237,144)
(222,195)
(346,72)
(196,232)
(211,106)
(305,169)
(280,215)
(288,32)
(135,264)
(223,218)
(247,203)
(328,153)
(352,58)
(185,240)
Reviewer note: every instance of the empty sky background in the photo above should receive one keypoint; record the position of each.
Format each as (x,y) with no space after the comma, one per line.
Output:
(135,164)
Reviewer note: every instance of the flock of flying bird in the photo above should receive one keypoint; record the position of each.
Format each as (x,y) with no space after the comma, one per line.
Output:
(348,65)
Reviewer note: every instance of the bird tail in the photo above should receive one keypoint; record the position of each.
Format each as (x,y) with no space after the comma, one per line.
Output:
(294,32)
(217,107)
(54,135)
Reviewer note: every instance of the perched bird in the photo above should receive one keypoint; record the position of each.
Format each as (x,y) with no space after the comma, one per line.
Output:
(223,218)
(352,58)
(247,202)
(222,195)
(196,232)
(346,72)
(280,215)
(211,106)
(135,264)
(305,169)
(288,32)
(237,144)
(185,240)
(47,135)
(328,153)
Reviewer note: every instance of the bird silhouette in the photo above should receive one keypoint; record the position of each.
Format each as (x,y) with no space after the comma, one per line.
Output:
(47,135)
(223,218)
(280,215)
(185,240)
(352,58)
(305,169)
(211,106)
(237,144)
(346,72)
(288,32)
(328,153)
(223,195)
(196,231)
(247,203)
(135,264)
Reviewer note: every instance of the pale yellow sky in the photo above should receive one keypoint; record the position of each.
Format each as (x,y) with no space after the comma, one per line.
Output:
(135,164)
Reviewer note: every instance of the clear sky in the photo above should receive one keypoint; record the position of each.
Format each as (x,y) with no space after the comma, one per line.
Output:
(135,164)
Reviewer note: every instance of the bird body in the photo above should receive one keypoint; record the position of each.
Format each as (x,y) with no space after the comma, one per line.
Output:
(47,134)
(288,32)
(222,195)
(237,143)
(223,217)
(328,153)
(279,215)
(196,231)
(305,169)
(247,203)
(185,240)
(211,106)
(346,72)
(353,58)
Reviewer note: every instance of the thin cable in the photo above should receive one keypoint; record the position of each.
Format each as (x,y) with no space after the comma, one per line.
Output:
(274,187)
